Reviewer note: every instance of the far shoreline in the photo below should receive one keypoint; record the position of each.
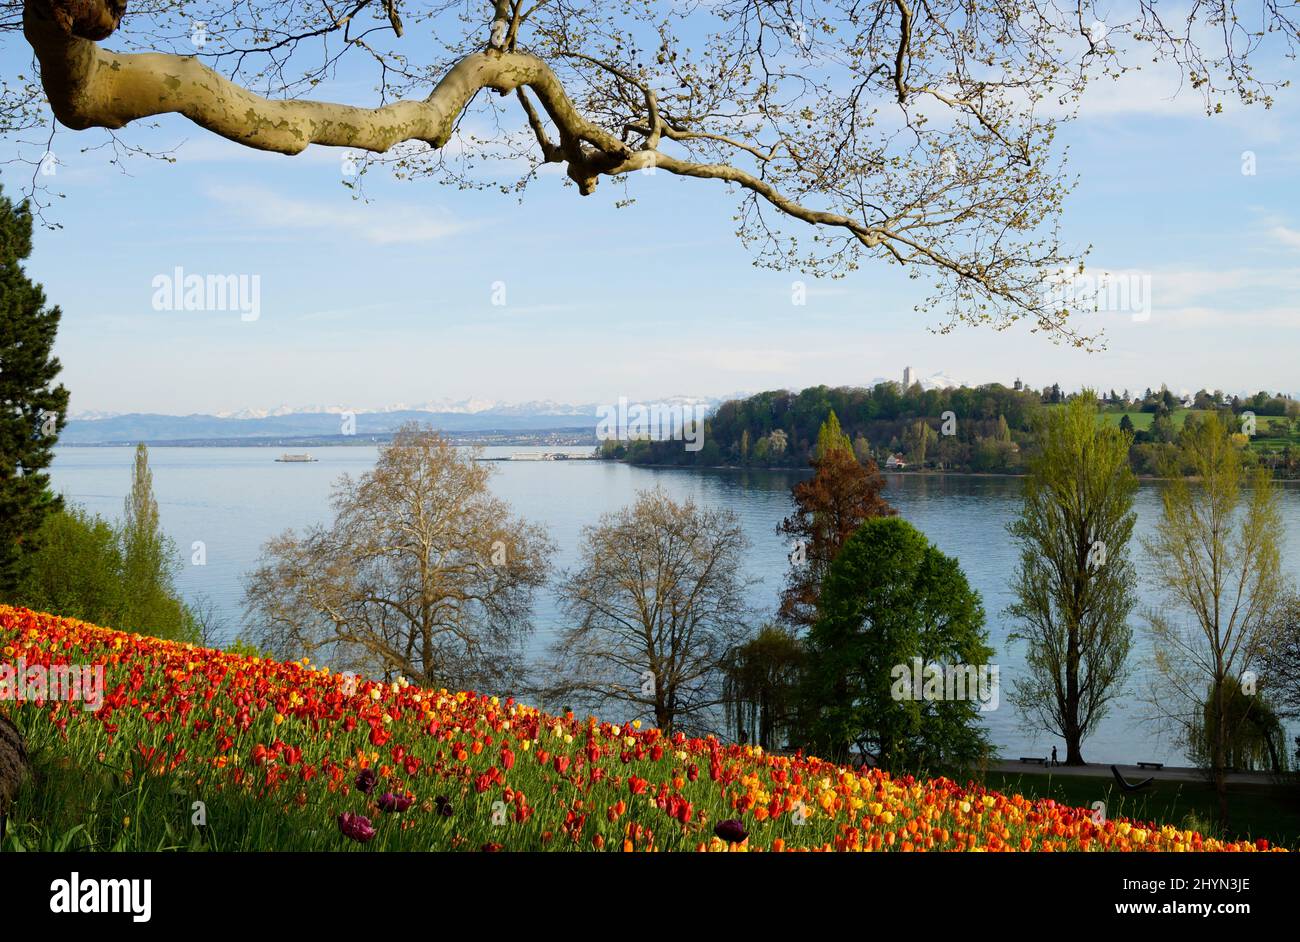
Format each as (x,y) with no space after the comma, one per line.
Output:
(474,443)
(928,472)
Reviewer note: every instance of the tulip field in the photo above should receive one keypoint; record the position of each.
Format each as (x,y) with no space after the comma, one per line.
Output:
(197,749)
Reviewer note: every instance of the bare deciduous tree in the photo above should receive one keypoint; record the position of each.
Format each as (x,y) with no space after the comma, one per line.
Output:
(209,625)
(916,133)
(422,573)
(659,601)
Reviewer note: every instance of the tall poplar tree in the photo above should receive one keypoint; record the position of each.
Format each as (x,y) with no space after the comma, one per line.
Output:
(150,563)
(1075,584)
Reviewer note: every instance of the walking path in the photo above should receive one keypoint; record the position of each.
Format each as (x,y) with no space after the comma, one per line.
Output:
(1130,772)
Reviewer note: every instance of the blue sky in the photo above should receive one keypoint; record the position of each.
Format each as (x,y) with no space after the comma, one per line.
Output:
(370,304)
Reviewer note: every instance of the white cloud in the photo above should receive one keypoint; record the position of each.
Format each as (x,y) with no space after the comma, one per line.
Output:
(1286,235)
(1157,90)
(752,360)
(1275,316)
(374,223)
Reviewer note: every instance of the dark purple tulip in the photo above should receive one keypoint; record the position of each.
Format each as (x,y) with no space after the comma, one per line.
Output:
(356,827)
(367,779)
(731,831)
(395,804)
(444,806)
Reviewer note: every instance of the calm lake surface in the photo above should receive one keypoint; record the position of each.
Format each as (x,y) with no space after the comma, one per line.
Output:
(234,499)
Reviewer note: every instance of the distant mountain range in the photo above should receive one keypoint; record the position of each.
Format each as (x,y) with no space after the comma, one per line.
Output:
(437,407)
(323,422)
(320,422)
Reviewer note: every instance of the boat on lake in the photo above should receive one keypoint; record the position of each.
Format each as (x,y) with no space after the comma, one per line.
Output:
(296,459)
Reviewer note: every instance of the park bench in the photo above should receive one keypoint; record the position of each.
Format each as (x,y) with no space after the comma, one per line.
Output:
(1151,765)
(1127,785)
(1039,759)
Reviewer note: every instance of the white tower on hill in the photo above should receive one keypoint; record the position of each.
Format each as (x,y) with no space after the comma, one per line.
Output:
(908,378)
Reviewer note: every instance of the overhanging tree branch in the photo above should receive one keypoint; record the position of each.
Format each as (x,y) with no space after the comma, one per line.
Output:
(920,134)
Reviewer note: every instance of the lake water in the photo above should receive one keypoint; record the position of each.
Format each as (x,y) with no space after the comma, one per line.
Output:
(234,499)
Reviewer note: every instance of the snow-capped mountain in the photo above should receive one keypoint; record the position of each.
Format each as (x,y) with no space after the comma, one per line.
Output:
(470,406)
(937,380)
(91,415)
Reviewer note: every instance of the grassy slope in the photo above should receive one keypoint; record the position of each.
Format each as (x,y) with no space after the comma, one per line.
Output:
(274,752)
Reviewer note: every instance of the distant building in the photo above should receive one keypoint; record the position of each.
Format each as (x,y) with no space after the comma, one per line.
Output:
(895,463)
(908,378)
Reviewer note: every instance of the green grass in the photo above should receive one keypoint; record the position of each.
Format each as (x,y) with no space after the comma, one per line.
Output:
(1113,415)
(1143,420)
(1254,811)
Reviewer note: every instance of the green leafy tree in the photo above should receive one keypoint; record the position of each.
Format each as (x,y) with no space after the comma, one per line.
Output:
(918,437)
(80,571)
(76,570)
(1075,584)
(761,687)
(862,449)
(1280,659)
(891,597)
(32,408)
(1256,736)
(830,437)
(1162,428)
